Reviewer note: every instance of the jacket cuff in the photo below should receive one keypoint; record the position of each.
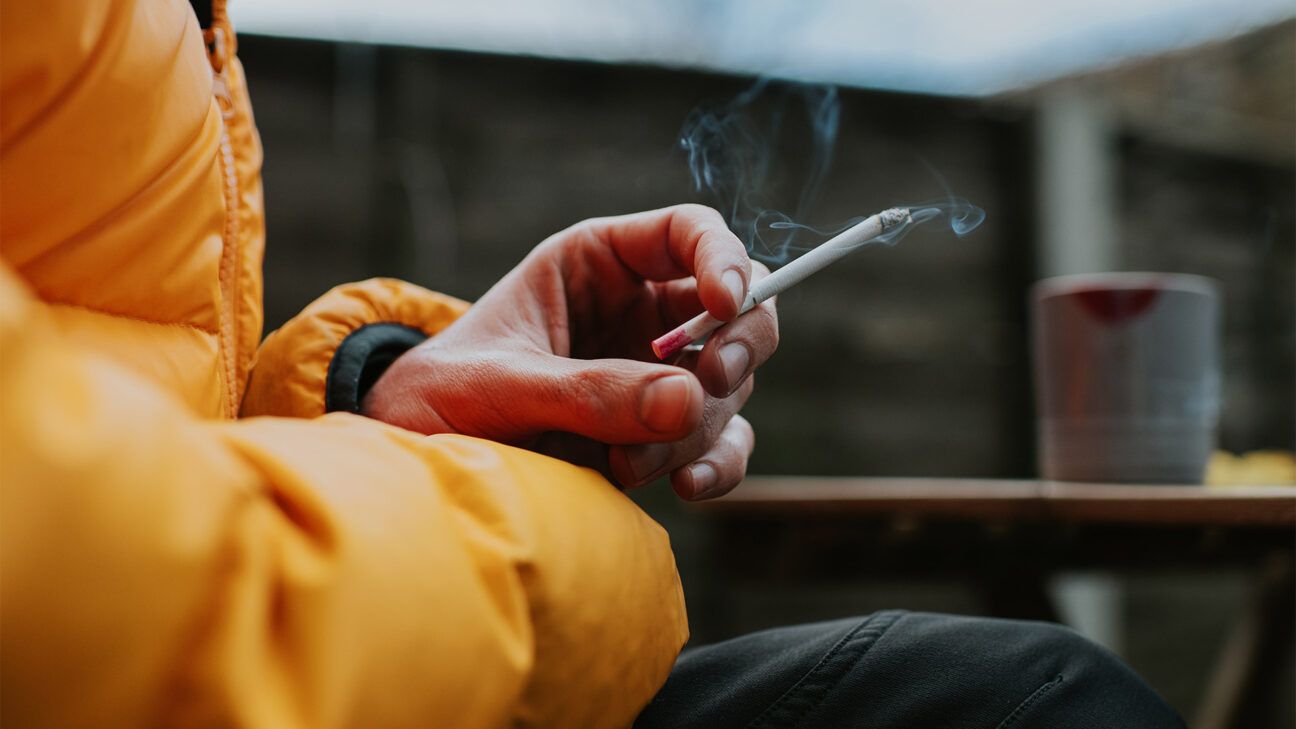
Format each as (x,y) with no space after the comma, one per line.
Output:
(361,359)
(327,357)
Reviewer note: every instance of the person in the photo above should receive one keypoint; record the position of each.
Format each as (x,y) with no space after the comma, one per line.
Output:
(396,511)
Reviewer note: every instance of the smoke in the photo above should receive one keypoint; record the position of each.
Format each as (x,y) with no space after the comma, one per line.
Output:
(734,150)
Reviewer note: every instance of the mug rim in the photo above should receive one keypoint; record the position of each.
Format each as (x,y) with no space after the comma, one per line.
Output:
(1123,280)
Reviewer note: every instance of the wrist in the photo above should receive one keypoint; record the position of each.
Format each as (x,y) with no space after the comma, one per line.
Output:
(403,396)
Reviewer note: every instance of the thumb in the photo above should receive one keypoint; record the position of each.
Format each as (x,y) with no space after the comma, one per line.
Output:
(616,401)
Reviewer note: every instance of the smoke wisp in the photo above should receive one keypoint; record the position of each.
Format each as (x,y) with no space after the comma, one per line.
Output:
(732,153)
(734,150)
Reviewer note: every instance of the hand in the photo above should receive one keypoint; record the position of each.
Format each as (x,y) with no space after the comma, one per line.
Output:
(556,356)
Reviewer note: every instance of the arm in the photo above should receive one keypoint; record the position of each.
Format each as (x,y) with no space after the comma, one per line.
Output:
(162,570)
(555,357)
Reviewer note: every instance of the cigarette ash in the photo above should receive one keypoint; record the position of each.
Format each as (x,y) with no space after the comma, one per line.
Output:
(961,216)
(733,151)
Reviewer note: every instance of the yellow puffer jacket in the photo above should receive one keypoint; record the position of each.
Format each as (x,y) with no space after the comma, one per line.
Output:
(166,564)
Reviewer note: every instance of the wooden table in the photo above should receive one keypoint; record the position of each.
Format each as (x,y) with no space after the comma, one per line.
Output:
(1006,537)
(1017,500)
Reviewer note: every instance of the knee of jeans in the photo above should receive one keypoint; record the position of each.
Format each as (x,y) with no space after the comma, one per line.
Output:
(1075,653)
(999,650)
(1090,668)
(1089,673)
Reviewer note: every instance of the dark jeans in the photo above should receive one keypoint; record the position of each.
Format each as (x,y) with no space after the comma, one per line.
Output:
(913,670)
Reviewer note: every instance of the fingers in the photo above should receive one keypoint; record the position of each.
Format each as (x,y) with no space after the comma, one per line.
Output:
(511,396)
(609,400)
(680,241)
(721,468)
(636,465)
(733,351)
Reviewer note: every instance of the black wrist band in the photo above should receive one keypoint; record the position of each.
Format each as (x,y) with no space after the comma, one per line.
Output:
(361,359)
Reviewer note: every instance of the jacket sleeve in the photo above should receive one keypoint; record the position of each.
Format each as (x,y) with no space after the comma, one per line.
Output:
(159,570)
(326,358)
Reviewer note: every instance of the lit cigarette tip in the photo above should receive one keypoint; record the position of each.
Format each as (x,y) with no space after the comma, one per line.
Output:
(893,217)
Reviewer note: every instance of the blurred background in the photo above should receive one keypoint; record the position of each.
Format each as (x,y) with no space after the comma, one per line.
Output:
(438,142)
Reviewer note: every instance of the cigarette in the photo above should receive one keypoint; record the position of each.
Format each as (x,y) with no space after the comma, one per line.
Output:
(785,278)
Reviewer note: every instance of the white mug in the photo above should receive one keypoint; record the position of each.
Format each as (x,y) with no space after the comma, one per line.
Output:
(1127,376)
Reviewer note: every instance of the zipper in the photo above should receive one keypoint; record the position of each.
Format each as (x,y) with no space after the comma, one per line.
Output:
(229,264)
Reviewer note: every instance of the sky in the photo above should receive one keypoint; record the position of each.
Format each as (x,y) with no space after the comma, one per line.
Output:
(929,46)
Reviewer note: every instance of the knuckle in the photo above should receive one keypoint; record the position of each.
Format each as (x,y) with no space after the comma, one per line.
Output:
(549,246)
(588,387)
(721,249)
(708,230)
(585,229)
(559,244)
(698,211)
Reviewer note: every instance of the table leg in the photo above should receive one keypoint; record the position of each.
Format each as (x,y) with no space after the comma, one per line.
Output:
(1249,670)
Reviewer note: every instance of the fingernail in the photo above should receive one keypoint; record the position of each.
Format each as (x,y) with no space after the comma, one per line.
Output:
(733,281)
(703,477)
(646,461)
(734,358)
(665,403)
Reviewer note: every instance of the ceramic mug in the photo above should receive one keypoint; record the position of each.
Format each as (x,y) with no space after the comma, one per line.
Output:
(1127,376)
